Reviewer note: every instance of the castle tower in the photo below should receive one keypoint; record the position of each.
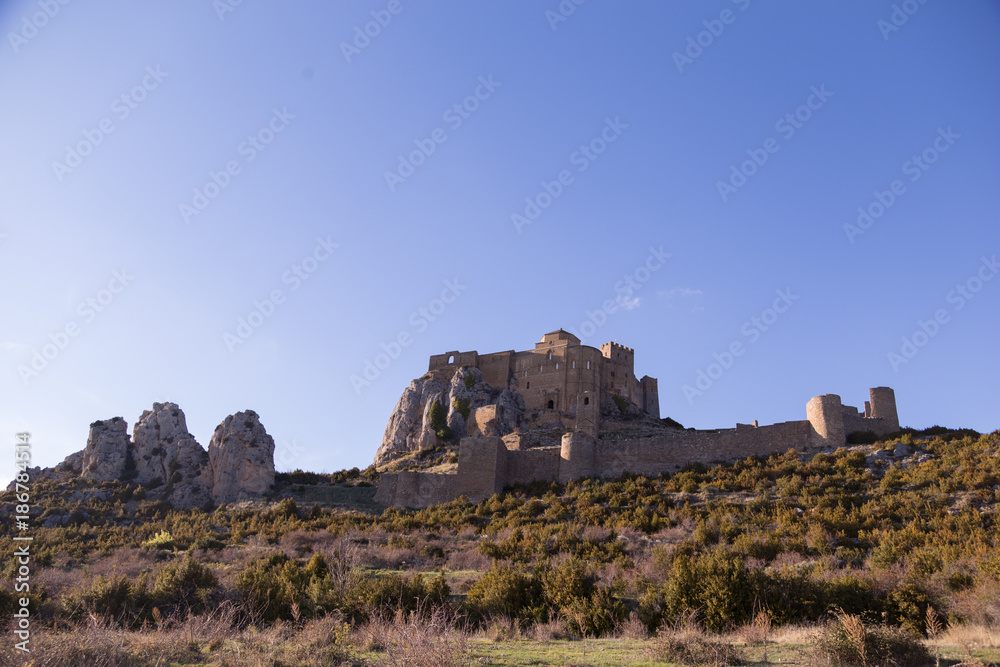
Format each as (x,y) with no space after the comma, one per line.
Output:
(826,415)
(650,396)
(588,413)
(883,404)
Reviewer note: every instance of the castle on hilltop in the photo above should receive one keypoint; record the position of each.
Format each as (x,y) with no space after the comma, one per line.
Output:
(564,411)
(563,377)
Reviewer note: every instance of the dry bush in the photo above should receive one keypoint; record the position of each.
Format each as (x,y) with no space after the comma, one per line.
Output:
(504,628)
(469,559)
(95,645)
(415,639)
(632,628)
(757,631)
(552,630)
(848,642)
(687,644)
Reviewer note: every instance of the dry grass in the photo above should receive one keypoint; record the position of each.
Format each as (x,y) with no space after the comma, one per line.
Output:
(686,643)
(415,640)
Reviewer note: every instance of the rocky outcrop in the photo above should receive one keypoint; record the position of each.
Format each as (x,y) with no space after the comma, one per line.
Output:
(105,456)
(459,392)
(165,458)
(241,458)
(166,454)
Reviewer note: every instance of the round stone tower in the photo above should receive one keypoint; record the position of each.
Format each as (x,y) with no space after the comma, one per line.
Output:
(883,402)
(826,414)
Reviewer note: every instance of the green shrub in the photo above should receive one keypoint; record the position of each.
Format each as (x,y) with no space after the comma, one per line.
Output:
(162,540)
(862,438)
(507,590)
(114,598)
(439,421)
(185,584)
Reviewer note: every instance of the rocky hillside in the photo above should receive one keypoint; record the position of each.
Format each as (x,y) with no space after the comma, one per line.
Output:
(164,457)
(438,407)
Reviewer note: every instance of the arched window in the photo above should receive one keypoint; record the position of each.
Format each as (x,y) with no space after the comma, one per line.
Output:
(552,404)
(451,359)
(550,354)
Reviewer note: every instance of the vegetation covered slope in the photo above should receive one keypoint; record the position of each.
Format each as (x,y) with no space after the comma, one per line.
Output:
(883,531)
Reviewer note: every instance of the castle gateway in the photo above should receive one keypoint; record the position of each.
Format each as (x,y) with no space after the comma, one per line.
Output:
(565,410)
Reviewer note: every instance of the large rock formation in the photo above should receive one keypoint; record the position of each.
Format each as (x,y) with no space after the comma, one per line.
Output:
(106,453)
(241,458)
(166,459)
(166,454)
(459,393)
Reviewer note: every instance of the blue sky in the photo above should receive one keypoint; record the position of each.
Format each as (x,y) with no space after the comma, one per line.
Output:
(172,168)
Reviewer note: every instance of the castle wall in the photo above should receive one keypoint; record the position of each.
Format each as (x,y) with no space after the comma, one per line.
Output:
(453,359)
(415,489)
(528,465)
(672,451)
(482,468)
(497,367)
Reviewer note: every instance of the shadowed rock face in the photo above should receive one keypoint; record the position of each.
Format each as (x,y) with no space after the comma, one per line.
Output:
(241,458)
(106,453)
(409,428)
(166,454)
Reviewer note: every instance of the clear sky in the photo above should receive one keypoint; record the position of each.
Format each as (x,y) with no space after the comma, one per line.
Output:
(473,175)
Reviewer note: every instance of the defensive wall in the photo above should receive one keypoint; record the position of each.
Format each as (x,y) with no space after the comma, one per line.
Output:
(488,464)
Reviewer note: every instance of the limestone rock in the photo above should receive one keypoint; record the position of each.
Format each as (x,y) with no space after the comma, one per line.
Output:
(408,429)
(458,391)
(106,453)
(166,454)
(241,458)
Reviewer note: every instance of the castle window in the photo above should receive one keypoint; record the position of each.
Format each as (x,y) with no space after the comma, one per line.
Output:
(586,400)
(451,359)
(551,404)
(588,365)
(527,386)
(557,365)
(550,354)
(574,364)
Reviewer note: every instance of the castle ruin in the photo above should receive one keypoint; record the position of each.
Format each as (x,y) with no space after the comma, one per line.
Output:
(607,422)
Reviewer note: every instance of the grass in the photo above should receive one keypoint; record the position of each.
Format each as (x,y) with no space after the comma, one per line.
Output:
(211,642)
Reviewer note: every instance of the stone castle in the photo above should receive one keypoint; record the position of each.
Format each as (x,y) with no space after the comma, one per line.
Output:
(564,411)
